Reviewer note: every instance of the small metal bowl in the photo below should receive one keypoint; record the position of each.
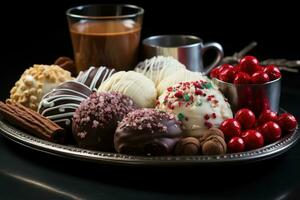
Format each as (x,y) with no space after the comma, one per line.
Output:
(256,97)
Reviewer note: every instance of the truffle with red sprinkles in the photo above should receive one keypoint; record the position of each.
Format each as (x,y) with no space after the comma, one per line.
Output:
(97,117)
(199,105)
(147,132)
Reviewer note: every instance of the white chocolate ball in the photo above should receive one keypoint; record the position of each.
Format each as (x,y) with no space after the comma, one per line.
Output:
(182,75)
(159,67)
(37,81)
(197,104)
(134,85)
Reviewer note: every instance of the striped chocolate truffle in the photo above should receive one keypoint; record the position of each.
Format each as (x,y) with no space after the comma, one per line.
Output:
(94,76)
(60,104)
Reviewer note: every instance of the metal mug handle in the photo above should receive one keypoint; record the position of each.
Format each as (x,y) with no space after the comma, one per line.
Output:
(219,57)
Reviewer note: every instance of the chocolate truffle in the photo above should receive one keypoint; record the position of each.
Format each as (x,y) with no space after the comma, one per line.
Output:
(37,81)
(60,104)
(147,131)
(94,76)
(97,117)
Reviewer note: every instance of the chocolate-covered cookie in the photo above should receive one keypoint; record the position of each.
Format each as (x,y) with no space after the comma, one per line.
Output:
(97,117)
(147,131)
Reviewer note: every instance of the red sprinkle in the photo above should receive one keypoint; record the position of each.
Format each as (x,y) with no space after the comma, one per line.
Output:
(157,102)
(178,94)
(208,124)
(169,89)
(192,98)
(198,92)
(170,106)
(197,84)
(206,117)
(187,104)
(210,97)
(213,115)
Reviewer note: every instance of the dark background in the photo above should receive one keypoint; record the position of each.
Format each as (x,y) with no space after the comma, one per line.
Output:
(37,32)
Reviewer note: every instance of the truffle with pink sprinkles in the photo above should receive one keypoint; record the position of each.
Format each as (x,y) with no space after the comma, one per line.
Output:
(198,104)
(97,117)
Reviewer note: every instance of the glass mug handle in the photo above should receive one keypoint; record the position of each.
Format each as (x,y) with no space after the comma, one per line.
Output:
(220,54)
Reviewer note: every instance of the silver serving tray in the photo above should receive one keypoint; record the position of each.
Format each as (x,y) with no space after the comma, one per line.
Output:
(72,152)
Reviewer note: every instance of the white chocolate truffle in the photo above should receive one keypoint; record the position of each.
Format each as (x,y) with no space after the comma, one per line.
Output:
(197,104)
(37,81)
(182,75)
(158,68)
(134,85)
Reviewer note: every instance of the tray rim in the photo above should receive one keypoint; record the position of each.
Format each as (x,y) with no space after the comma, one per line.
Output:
(71,152)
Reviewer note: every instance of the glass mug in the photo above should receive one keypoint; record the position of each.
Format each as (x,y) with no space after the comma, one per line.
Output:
(187,49)
(105,35)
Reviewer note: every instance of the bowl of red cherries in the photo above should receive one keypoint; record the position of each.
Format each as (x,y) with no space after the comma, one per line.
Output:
(247,132)
(253,91)
(249,84)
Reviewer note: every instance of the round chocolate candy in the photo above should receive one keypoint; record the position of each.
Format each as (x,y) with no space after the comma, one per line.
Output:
(94,76)
(147,131)
(60,104)
(96,119)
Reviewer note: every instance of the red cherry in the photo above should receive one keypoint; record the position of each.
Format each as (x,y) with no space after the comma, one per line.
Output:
(287,122)
(237,67)
(246,118)
(267,116)
(249,64)
(258,129)
(253,139)
(230,128)
(236,144)
(272,71)
(227,75)
(214,73)
(225,66)
(259,78)
(242,78)
(271,132)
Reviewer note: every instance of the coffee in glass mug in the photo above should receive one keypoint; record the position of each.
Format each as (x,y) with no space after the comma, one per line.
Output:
(105,35)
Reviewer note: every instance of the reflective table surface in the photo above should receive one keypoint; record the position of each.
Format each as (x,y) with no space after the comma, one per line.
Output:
(27,174)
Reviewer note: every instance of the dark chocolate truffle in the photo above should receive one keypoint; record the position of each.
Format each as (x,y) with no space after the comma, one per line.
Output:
(147,131)
(96,119)
(60,104)
(94,76)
